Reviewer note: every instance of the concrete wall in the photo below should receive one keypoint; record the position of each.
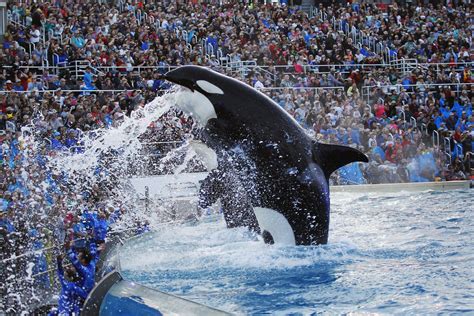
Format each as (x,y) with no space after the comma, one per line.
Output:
(186,186)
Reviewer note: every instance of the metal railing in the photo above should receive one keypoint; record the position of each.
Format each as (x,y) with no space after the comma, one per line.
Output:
(449,158)
(458,149)
(402,113)
(447,148)
(424,128)
(435,138)
(85,92)
(367,91)
(243,66)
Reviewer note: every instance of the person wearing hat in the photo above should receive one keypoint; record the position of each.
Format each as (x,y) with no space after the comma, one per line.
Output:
(8,85)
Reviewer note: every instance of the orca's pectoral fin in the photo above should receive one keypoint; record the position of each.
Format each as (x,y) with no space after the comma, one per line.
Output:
(331,157)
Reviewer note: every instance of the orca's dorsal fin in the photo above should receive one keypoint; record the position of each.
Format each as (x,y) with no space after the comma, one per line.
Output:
(332,157)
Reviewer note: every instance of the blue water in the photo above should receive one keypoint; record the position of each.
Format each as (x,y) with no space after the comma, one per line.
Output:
(403,253)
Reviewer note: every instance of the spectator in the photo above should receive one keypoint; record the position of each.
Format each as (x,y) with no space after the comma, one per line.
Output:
(72,295)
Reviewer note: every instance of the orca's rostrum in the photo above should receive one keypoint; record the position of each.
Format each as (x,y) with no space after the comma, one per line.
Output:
(291,169)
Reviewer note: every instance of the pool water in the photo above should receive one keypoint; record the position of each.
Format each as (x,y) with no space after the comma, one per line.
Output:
(403,253)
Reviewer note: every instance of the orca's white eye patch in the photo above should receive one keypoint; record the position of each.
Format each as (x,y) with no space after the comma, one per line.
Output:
(209,87)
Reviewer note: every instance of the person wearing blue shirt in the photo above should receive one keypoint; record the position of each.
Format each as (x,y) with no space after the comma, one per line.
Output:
(142,227)
(18,86)
(341,135)
(406,82)
(72,295)
(77,40)
(3,204)
(114,216)
(100,229)
(56,141)
(212,40)
(145,46)
(377,150)
(379,139)
(80,233)
(364,51)
(437,119)
(354,134)
(40,264)
(85,264)
(88,79)
(88,220)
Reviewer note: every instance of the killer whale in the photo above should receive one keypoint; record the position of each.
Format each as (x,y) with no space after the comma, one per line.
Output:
(292,204)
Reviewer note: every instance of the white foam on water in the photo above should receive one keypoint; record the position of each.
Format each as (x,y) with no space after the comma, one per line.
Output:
(212,246)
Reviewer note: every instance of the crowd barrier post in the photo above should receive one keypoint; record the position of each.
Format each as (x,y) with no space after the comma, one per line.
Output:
(403,116)
(184,35)
(423,128)
(43,31)
(435,138)
(447,144)
(203,45)
(449,157)
(31,47)
(413,122)
(459,149)
(367,89)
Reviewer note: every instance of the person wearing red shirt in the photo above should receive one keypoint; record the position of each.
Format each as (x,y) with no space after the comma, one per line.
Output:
(457,134)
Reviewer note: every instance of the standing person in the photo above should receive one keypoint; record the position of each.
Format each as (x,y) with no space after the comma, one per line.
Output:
(85,263)
(100,228)
(88,79)
(72,295)
(79,234)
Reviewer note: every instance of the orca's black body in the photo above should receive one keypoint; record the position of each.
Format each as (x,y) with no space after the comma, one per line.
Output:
(291,170)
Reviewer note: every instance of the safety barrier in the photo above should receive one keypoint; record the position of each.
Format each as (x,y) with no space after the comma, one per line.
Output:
(400,187)
(109,296)
(85,91)
(228,62)
(269,89)
(241,65)
(368,91)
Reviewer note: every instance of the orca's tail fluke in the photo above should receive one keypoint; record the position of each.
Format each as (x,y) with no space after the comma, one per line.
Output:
(332,157)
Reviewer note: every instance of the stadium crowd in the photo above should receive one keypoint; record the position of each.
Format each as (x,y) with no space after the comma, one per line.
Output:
(333,84)
(280,39)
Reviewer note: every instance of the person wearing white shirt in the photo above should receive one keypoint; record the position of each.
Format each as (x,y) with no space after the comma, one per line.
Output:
(35,35)
(258,84)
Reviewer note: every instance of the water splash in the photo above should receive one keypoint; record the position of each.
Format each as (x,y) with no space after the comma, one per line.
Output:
(124,138)
(103,161)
